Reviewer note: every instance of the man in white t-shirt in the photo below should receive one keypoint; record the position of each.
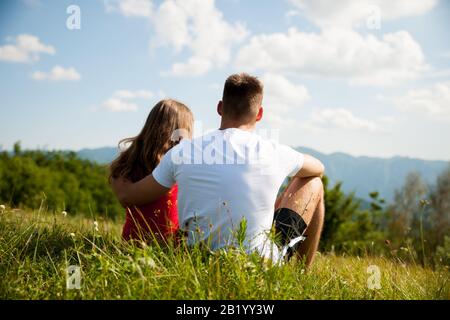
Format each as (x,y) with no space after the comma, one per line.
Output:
(231,175)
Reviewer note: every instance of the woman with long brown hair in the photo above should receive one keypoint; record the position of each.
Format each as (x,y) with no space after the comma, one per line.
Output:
(159,219)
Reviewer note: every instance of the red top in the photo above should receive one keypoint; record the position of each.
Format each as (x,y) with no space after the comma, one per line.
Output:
(158,219)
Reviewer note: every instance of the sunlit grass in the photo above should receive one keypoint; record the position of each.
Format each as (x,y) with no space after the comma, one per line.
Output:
(37,247)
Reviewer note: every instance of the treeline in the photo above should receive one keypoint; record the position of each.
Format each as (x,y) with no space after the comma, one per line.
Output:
(56,181)
(416,226)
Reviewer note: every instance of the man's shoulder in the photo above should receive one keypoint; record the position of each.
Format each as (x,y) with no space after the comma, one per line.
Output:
(270,142)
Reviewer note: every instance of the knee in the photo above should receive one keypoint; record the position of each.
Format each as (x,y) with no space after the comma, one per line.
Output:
(305,187)
(316,185)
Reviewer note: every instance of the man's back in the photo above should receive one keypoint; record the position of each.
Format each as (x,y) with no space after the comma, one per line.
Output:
(226,176)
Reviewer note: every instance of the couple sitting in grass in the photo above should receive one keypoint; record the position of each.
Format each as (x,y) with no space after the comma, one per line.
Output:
(201,189)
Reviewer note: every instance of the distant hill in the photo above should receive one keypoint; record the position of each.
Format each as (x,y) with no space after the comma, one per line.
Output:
(99,155)
(361,175)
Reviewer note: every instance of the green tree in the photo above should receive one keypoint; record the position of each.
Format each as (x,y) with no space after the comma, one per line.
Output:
(439,213)
(339,208)
(57,180)
(419,217)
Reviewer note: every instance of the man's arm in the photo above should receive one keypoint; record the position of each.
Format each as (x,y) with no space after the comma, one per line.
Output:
(138,193)
(312,167)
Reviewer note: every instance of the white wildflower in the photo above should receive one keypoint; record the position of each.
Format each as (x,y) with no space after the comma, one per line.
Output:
(96,226)
(72,234)
(64,213)
(143,245)
(149,262)
(2,207)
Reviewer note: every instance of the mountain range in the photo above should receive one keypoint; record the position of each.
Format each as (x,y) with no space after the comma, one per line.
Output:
(360,175)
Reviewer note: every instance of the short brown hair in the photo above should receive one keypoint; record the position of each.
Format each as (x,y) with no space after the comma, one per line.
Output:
(242,96)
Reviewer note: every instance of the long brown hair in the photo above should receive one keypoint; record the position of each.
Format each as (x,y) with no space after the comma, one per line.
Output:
(156,138)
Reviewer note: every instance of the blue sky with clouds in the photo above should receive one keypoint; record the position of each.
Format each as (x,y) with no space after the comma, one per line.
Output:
(366,78)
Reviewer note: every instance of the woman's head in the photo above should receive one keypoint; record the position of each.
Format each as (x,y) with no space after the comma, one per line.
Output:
(144,151)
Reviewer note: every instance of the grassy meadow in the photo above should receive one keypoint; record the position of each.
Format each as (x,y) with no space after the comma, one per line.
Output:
(37,247)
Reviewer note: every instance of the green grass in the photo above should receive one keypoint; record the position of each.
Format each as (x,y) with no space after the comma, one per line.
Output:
(36,248)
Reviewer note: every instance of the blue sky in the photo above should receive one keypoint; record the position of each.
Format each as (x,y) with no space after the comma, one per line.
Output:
(366,78)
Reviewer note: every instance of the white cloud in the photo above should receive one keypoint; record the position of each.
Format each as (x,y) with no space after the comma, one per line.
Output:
(339,51)
(195,66)
(279,90)
(193,25)
(130,8)
(171,23)
(27,48)
(336,52)
(58,73)
(127,94)
(433,101)
(388,120)
(434,73)
(198,26)
(117,105)
(340,118)
(351,13)
(280,97)
(292,13)
(120,100)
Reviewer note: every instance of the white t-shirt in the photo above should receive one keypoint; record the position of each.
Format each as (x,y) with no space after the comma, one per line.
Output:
(223,177)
